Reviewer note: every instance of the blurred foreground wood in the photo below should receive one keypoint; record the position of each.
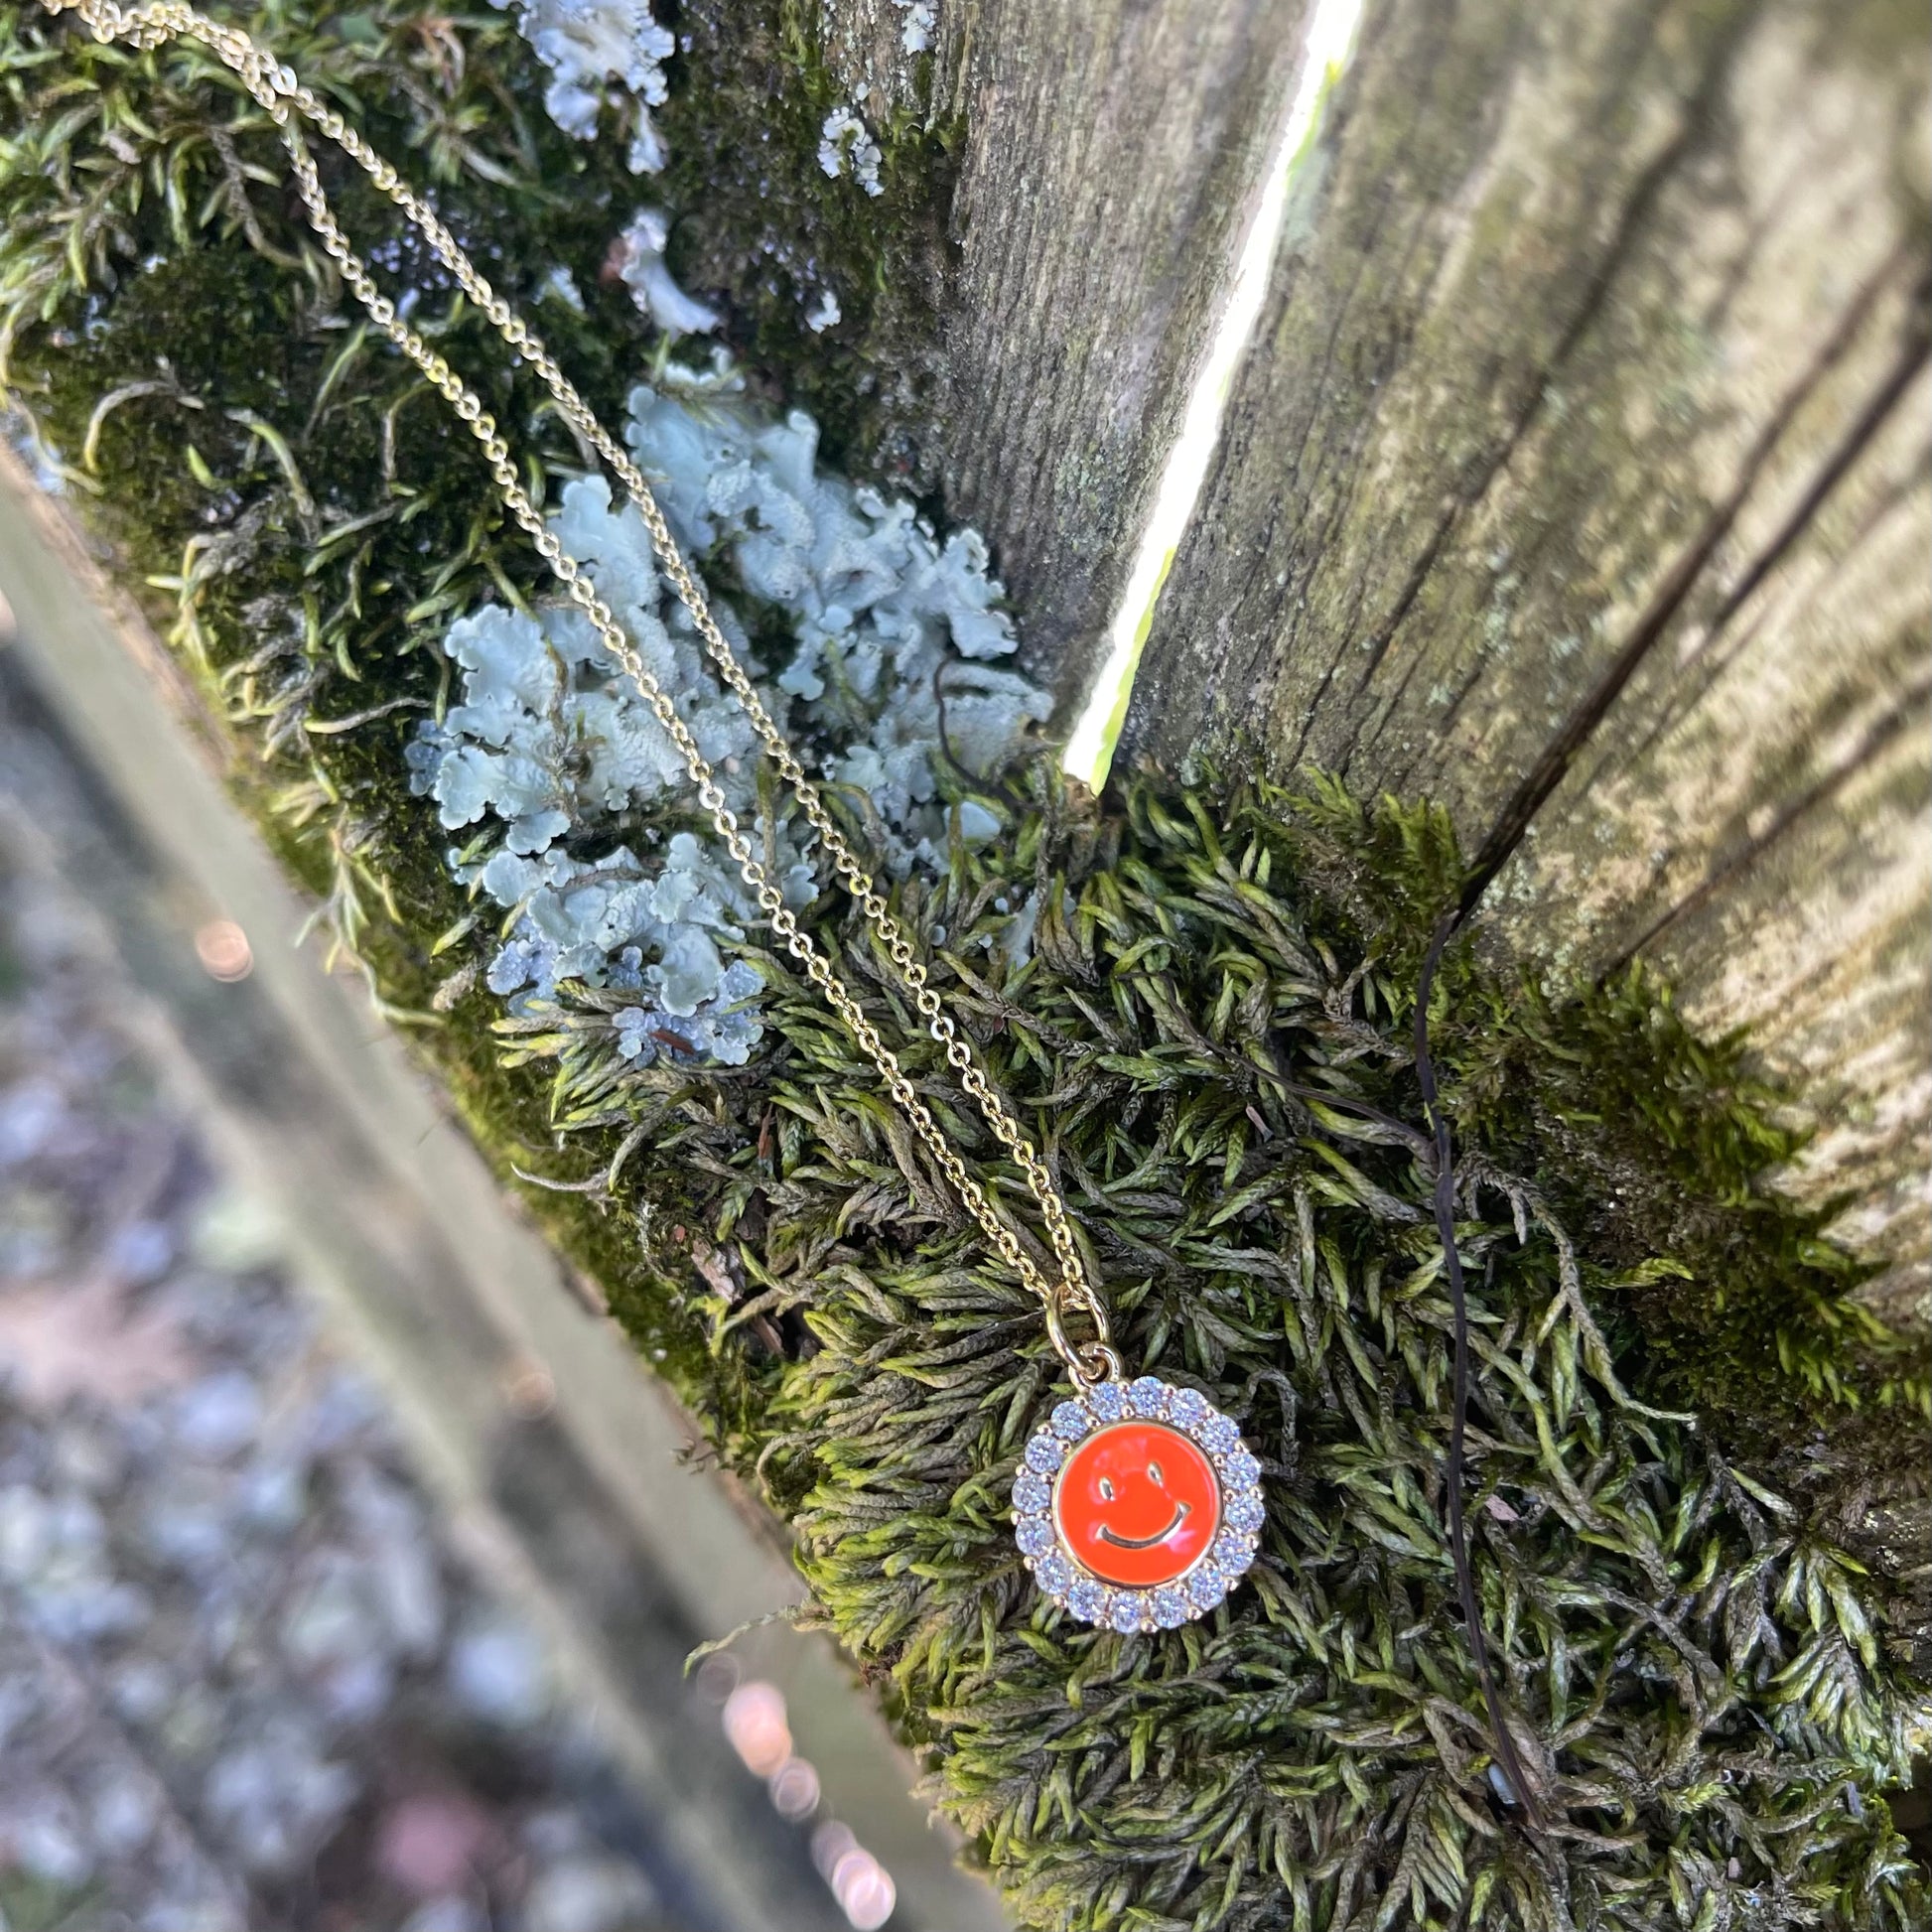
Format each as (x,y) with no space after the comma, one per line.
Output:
(557,1458)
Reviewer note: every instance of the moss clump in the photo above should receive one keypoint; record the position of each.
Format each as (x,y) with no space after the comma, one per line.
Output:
(1212,1037)
(1210,1034)
(1653,1143)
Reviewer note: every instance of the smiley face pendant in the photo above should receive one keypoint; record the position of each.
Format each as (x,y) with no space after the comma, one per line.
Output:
(1138,1507)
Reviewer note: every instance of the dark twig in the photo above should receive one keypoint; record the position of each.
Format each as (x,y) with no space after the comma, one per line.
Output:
(973,780)
(1465,1589)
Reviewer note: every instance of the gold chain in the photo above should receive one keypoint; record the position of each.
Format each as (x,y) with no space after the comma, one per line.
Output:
(283,97)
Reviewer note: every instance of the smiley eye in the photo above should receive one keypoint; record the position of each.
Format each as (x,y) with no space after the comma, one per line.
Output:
(1153,1469)
(1106,1489)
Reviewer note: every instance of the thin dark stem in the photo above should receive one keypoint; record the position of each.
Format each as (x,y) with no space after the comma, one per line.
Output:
(972,779)
(1458,1528)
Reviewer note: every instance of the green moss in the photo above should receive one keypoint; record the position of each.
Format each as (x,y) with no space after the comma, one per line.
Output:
(1708,1666)
(764,227)
(1653,1143)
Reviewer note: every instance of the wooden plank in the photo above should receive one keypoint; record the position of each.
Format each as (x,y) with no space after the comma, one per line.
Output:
(1753,817)
(1821,948)
(590,1508)
(1113,155)
(1593,317)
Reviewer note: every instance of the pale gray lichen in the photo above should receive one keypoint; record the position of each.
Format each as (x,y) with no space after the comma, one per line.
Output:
(581,809)
(601,53)
(595,921)
(638,255)
(845,145)
(560,285)
(824,312)
(921,20)
(612,53)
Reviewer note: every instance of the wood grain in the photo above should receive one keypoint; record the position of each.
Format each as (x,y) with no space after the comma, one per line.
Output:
(1113,156)
(1572,479)
(1753,817)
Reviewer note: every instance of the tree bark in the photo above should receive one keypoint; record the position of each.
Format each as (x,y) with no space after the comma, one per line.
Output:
(1579,476)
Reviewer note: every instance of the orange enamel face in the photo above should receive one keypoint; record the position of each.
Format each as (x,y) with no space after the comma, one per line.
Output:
(1137,1504)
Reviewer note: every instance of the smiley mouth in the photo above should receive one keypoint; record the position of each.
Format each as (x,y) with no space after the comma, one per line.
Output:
(1180,1512)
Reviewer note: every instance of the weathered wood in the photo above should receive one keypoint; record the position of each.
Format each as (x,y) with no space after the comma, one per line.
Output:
(1111,161)
(1754,821)
(1579,444)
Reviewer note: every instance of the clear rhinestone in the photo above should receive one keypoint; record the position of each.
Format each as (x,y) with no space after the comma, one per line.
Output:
(1030,1491)
(1190,1408)
(1053,1573)
(1169,1607)
(1219,1434)
(1207,1587)
(1245,1512)
(1240,1469)
(1087,1599)
(1043,1453)
(1035,1535)
(1233,1553)
(1071,1422)
(1125,1615)
(1147,1394)
(1108,1401)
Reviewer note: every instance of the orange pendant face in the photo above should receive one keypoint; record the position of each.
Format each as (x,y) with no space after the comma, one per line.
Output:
(1137,1504)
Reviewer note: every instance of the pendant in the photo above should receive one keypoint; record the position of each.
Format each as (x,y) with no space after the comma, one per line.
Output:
(1139,1507)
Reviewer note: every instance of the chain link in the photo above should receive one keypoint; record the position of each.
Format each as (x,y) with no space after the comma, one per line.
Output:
(286,99)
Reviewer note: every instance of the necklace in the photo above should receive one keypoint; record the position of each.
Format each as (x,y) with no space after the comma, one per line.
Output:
(1138,1507)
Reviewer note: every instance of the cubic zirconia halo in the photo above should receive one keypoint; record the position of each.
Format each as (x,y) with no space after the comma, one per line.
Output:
(1137,1506)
